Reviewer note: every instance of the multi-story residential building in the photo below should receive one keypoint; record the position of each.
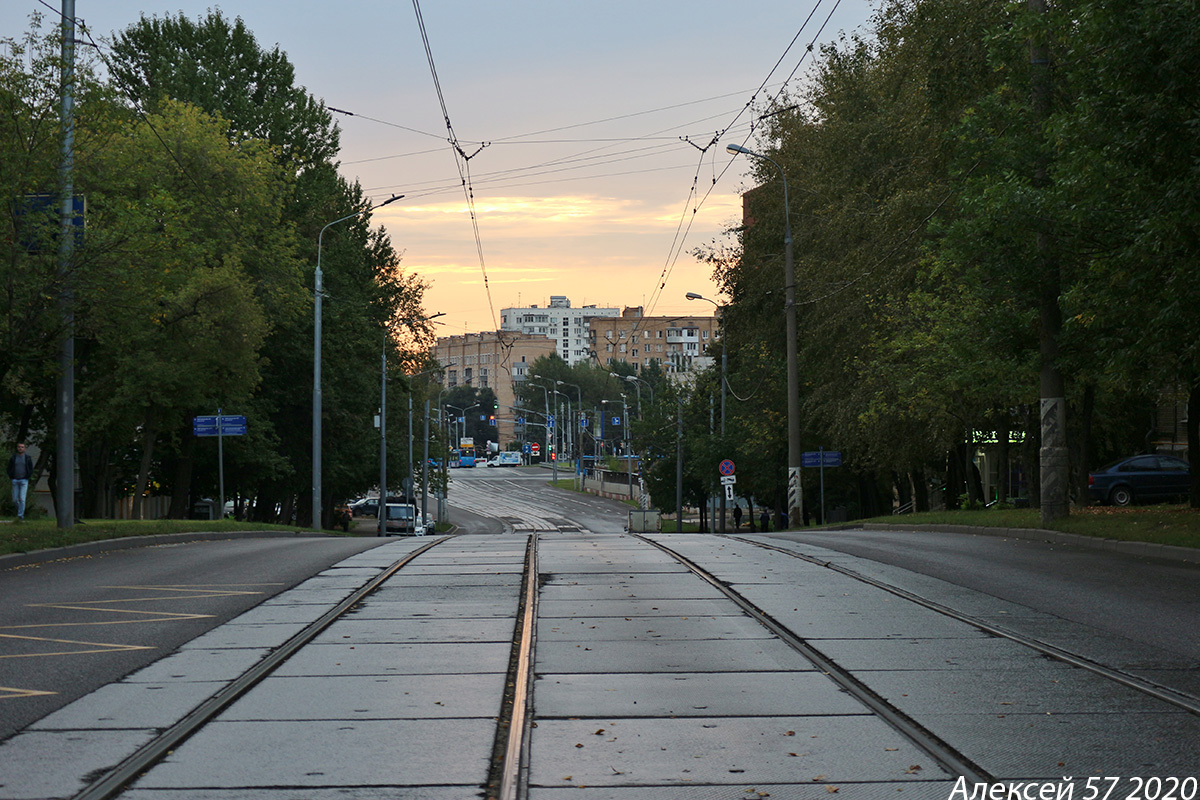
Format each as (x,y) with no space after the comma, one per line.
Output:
(676,343)
(567,326)
(493,361)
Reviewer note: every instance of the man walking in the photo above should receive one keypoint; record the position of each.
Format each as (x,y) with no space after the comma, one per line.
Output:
(20,468)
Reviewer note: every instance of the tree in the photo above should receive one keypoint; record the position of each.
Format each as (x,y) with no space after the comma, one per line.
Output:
(219,66)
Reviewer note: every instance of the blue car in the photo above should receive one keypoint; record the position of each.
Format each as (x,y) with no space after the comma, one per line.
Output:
(1139,479)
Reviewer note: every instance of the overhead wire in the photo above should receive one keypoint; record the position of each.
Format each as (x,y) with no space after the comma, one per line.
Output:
(461,159)
(685,223)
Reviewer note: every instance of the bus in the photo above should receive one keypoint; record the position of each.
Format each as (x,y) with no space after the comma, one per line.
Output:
(466,452)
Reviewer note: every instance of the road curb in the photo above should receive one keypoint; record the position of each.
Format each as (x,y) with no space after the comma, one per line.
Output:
(14,560)
(1148,549)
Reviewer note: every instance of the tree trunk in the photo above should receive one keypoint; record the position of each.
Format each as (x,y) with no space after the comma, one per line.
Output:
(920,487)
(149,434)
(181,484)
(1193,439)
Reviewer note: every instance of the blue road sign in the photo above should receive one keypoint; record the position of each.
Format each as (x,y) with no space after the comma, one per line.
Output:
(821,458)
(224,425)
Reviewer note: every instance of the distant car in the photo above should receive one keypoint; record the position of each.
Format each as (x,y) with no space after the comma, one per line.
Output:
(430,524)
(365,508)
(402,518)
(1141,478)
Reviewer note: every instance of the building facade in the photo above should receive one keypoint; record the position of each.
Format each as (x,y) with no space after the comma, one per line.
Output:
(677,344)
(567,326)
(493,361)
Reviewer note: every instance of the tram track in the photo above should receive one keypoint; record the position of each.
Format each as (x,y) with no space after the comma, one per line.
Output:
(946,756)
(1165,694)
(113,782)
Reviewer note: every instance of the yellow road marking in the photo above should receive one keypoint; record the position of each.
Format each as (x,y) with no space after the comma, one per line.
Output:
(9,693)
(92,647)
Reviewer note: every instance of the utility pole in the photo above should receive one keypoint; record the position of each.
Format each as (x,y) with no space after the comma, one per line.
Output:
(64,458)
(679,465)
(1054,465)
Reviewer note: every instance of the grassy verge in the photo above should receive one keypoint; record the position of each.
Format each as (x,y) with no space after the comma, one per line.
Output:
(1162,524)
(39,534)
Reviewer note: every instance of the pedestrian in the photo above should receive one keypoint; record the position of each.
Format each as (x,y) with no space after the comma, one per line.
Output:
(737,518)
(764,521)
(20,468)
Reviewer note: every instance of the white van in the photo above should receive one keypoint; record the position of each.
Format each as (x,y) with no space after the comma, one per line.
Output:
(402,518)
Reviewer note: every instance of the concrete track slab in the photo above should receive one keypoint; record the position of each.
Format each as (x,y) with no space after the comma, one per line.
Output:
(200,665)
(935,654)
(446,591)
(434,609)
(460,580)
(618,629)
(826,624)
(371,697)
(384,631)
(130,705)
(723,750)
(310,793)
(563,588)
(237,635)
(812,790)
(568,609)
(395,659)
(1050,746)
(52,764)
(986,692)
(339,753)
(752,655)
(707,694)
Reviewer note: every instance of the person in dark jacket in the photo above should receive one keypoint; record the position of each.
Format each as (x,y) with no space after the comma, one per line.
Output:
(20,468)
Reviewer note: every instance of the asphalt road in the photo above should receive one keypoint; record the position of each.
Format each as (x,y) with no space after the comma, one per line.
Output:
(72,625)
(1132,613)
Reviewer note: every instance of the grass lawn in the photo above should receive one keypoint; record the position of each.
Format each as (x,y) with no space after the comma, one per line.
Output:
(1162,524)
(39,534)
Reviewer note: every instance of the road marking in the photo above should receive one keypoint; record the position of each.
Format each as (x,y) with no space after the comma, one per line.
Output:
(92,647)
(9,693)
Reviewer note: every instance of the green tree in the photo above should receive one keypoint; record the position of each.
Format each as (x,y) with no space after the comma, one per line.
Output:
(219,65)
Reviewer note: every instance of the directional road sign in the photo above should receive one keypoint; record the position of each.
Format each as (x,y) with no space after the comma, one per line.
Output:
(821,458)
(224,425)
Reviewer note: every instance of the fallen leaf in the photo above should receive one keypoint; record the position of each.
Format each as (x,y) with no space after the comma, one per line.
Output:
(831,789)
(599,732)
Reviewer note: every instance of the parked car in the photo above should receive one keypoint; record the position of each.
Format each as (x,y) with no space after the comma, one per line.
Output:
(1141,478)
(402,518)
(365,508)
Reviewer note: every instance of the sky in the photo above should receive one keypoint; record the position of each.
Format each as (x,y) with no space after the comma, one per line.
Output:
(589,128)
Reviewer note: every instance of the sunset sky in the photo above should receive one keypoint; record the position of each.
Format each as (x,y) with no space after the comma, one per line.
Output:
(589,128)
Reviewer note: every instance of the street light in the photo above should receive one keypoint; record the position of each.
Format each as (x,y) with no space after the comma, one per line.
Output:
(318,294)
(724,380)
(795,490)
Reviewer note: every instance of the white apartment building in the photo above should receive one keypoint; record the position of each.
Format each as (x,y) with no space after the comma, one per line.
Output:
(568,327)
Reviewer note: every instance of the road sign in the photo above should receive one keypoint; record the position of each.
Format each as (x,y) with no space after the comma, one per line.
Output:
(726,467)
(729,492)
(550,421)
(535,449)
(616,421)
(728,480)
(224,425)
(583,422)
(821,458)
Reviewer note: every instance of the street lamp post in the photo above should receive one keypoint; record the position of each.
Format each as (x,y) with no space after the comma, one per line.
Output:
(318,295)
(724,367)
(795,490)
(550,422)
